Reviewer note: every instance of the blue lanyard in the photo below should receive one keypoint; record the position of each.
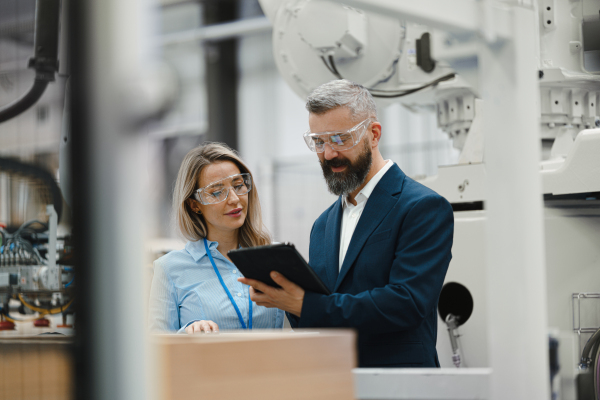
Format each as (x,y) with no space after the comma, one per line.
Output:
(237,310)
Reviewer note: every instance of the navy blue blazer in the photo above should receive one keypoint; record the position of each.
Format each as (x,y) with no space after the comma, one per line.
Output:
(392,275)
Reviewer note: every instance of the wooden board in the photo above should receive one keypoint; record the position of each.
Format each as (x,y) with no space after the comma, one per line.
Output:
(257,365)
(36,367)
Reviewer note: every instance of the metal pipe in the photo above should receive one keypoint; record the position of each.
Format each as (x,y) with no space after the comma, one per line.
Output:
(219,32)
(452,326)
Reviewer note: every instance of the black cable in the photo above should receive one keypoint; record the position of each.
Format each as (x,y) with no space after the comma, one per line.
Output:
(410,91)
(594,350)
(26,226)
(334,68)
(387,93)
(596,372)
(591,344)
(26,246)
(45,60)
(18,106)
(329,68)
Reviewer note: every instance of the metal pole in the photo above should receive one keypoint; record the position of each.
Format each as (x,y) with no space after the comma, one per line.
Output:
(222,76)
(517,315)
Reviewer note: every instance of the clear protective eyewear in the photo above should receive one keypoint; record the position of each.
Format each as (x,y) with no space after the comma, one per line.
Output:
(339,140)
(218,191)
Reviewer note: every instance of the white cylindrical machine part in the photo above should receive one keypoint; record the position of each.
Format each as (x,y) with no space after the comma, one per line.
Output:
(516,276)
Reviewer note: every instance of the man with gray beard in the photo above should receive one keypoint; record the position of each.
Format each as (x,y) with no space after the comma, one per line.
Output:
(382,248)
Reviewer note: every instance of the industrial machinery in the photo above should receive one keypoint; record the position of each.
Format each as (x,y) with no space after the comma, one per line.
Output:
(516,87)
(36,272)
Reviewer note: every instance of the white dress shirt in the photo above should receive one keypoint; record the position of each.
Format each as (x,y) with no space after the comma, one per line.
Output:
(352,212)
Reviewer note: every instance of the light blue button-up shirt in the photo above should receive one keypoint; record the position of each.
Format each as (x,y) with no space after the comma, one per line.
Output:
(185,288)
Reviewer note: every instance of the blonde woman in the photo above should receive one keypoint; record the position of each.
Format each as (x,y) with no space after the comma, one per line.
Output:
(217,209)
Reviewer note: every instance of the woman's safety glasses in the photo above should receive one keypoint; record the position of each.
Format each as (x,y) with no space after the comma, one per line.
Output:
(218,191)
(338,141)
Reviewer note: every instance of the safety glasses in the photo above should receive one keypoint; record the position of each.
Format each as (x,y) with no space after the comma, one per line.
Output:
(339,140)
(218,191)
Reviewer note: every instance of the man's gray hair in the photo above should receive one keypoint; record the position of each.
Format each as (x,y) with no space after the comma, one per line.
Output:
(342,93)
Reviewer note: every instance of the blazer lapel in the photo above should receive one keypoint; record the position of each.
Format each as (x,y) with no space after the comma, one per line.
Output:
(332,243)
(377,208)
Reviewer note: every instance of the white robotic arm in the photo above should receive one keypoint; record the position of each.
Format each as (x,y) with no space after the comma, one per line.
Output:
(315,41)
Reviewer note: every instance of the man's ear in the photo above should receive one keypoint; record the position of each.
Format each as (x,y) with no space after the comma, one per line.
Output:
(376,132)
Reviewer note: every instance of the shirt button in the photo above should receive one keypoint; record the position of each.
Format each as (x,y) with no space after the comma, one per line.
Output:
(239,295)
(234,271)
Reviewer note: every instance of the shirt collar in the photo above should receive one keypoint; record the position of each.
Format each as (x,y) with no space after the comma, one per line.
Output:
(197,250)
(365,192)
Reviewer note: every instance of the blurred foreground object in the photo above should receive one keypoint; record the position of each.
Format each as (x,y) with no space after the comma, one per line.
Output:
(258,365)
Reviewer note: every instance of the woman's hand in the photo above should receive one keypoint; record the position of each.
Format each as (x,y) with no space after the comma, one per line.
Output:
(202,326)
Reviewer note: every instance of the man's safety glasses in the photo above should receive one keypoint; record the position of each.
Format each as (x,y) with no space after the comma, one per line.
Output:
(338,141)
(218,191)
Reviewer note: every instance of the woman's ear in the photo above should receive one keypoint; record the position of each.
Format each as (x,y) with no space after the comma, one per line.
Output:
(194,205)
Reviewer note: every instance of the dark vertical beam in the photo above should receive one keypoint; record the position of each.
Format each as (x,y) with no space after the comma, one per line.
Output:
(81,198)
(222,75)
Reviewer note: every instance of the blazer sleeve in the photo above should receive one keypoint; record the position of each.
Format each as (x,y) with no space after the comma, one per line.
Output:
(163,312)
(421,259)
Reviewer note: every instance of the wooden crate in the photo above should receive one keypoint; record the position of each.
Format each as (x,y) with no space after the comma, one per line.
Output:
(257,365)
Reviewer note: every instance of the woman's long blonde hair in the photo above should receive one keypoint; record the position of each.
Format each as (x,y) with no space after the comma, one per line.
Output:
(192,225)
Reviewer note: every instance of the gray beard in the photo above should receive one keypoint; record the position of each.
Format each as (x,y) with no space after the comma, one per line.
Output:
(345,182)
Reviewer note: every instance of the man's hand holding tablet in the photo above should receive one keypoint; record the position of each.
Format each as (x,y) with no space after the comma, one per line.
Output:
(288,298)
